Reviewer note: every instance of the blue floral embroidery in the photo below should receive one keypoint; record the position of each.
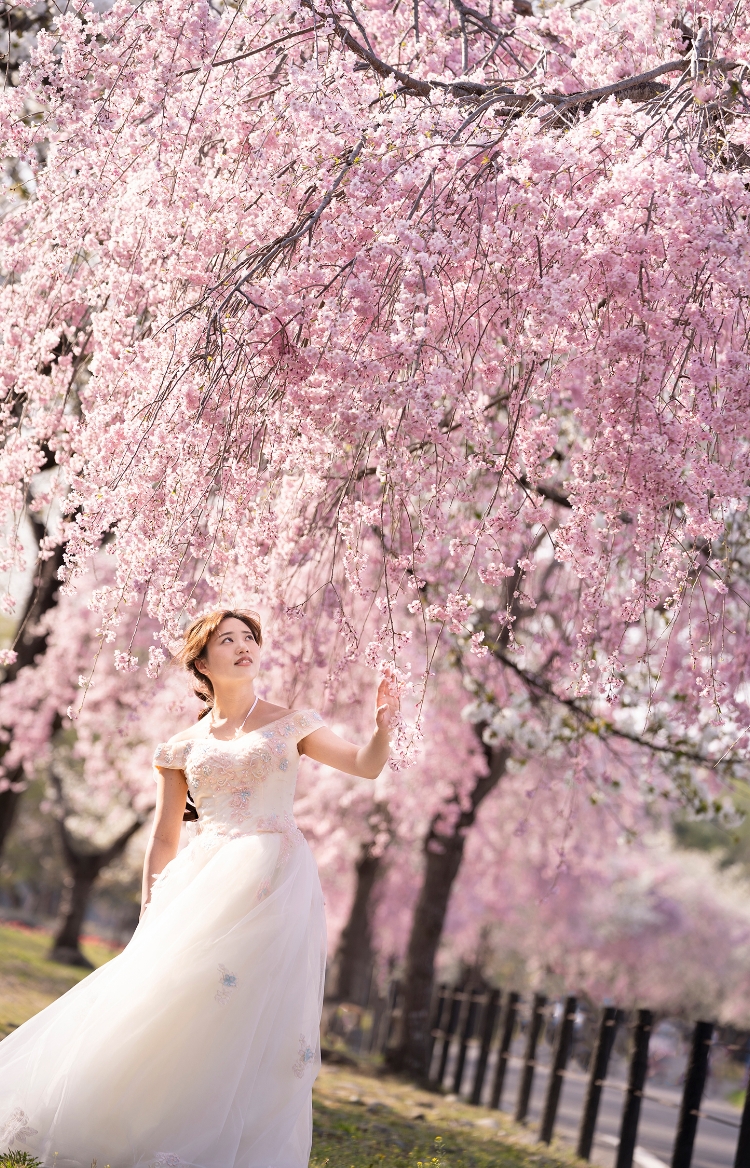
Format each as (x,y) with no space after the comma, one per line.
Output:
(227,983)
(284,764)
(305,1056)
(241,804)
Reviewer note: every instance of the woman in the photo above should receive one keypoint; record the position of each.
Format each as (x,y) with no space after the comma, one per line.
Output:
(198,1045)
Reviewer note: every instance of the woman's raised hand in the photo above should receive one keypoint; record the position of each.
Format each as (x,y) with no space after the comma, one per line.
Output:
(387,705)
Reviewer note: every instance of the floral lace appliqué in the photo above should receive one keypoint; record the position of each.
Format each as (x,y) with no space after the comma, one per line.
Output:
(218,768)
(227,983)
(285,826)
(16,1128)
(172,755)
(304,1058)
(241,804)
(167,1160)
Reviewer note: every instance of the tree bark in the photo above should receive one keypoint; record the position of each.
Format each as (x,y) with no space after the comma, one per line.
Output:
(66,947)
(354,957)
(30,644)
(85,868)
(443,855)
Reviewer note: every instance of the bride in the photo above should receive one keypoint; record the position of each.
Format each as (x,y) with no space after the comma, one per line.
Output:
(198,1045)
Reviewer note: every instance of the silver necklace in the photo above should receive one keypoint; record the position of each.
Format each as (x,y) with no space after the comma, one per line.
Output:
(239,729)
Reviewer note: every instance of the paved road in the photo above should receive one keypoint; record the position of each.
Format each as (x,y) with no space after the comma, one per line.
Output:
(715,1143)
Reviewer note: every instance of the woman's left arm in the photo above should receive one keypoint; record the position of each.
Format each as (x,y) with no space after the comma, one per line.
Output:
(364,761)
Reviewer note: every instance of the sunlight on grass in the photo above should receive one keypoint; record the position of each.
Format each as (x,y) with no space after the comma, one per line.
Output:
(378,1121)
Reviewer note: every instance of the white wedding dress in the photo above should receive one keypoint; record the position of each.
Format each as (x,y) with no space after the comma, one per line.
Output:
(198,1045)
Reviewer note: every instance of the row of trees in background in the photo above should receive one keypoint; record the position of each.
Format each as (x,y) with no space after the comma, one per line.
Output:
(426,332)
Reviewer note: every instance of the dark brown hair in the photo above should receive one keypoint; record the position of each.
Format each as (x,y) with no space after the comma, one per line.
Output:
(196,638)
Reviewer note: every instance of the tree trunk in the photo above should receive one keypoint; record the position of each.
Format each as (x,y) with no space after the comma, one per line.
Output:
(31,642)
(84,868)
(354,956)
(66,947)
(443,855)
(8,802)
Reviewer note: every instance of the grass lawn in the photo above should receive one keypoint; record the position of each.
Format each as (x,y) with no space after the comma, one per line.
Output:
(369,1120)
(362,1118)
(28,981)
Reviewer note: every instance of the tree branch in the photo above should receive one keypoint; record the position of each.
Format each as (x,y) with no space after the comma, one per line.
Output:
(250,53)
(602,727)
(463,88)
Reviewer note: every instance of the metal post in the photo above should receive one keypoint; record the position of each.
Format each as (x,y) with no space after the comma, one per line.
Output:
(453,1008)
(503,1051)
(557,1070)
(742,1155)
(489,1017)
(529,1059)
(599,1062)
(636,1080)
(695,1082)
(466,1031)
(386,1025)
(442,994)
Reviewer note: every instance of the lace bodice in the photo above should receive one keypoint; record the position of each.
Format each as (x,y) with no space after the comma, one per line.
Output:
(245,785)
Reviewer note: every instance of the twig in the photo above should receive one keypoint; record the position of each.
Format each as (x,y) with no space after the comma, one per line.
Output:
(250,53)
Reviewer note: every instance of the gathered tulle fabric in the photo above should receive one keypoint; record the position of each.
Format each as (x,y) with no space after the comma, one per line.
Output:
(199,1044)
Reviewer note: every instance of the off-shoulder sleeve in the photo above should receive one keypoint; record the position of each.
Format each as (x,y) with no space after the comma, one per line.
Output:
(171,755)
(305,721)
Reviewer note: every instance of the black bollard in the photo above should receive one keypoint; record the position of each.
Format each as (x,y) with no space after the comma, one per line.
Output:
(557,1070)
(597,1075)
(466,1033)
(695,1082)
(632,1108)
(437,1016)
(489,1018)
(529,1059)
(503,1051)
(453,1008)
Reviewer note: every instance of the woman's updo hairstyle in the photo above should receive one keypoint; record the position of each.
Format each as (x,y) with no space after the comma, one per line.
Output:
(196,638)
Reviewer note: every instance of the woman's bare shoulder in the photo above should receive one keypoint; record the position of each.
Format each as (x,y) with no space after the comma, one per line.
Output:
(197,730)
(271,711)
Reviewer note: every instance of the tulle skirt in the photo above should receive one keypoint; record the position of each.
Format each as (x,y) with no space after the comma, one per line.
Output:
(198,1045)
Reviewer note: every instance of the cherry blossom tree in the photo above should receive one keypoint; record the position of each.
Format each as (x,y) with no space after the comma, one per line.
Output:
(494,268)
(426,331)
(558,893)
(97,763)
(31,642)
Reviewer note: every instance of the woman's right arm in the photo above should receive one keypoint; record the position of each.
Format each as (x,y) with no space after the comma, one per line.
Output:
(164,840)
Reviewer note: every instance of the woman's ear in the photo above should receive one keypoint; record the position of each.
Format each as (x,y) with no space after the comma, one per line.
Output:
(200,665)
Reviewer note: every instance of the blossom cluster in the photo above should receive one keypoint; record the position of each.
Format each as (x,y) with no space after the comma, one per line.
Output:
(339,312)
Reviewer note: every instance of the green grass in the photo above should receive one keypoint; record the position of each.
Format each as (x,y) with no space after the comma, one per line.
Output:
(19,1160)
(362,1117)
(369,1120)
(28,980)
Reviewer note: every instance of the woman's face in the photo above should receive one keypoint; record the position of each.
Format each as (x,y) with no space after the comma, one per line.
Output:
(232,654)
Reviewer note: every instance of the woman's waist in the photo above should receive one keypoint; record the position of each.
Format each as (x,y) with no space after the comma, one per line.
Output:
(227,820)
